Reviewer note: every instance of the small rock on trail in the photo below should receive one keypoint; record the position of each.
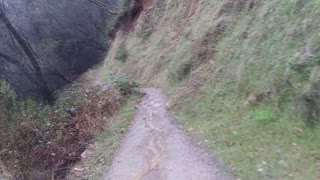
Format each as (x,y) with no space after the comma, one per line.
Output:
(156,149)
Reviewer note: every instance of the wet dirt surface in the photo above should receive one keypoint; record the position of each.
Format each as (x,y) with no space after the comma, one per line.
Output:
(155,148)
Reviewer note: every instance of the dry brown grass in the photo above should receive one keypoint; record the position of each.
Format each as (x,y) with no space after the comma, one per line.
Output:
(43,142)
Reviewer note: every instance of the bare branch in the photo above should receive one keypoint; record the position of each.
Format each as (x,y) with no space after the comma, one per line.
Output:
(56,73)
(95,45)
(105,7)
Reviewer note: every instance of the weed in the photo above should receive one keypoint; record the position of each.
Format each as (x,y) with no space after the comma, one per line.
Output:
(264,115)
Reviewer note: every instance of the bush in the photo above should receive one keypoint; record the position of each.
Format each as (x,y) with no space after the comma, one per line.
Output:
(145,34)
(180,72)
(123,84)
(22,128)
(122,53)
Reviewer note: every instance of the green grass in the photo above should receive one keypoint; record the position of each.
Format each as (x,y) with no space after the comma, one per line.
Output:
(267,140)
(272,48)
(264,115)
(257,143)
(108,142)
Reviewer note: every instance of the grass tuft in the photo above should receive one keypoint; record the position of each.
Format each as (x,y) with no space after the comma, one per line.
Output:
(264,115)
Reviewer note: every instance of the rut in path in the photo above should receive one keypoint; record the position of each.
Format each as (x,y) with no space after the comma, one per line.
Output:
(155,148)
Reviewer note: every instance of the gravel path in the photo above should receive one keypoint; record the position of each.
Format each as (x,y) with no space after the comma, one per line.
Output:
(155,148)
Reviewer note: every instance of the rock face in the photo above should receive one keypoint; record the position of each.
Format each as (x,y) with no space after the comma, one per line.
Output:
(46,44)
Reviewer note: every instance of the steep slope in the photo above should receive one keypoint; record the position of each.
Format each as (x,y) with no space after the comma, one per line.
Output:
(48,44)
(241,75)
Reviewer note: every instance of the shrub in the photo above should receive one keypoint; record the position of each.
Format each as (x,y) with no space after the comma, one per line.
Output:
(180,72)
(145,34)
(22,128)
(308,103)
(122,53)
(123,84)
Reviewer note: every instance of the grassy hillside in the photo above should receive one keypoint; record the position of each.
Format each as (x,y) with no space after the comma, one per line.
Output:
(242,75)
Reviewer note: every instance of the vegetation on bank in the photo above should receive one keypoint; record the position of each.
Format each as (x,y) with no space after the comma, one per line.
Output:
(107,143)
(242,75)
(44,141)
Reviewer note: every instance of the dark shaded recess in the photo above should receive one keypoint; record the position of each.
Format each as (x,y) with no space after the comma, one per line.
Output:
(44,44)
(126,20)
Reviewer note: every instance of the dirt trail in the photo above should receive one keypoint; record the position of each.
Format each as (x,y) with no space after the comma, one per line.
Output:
(157,149)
